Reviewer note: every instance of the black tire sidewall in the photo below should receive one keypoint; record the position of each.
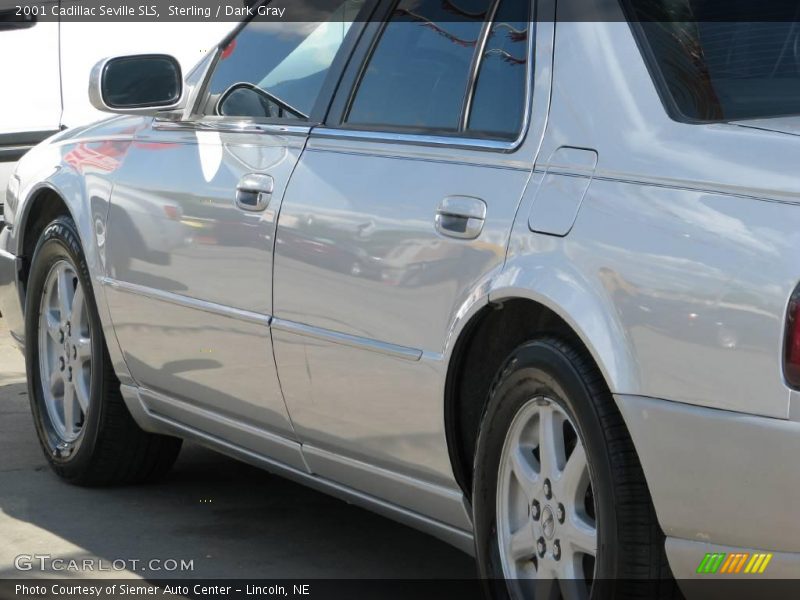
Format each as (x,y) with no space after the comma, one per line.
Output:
(539,369)
(60,241)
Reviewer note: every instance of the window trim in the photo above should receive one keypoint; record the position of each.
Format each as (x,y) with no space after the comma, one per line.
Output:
(419,139)
(232,125)
(336,127)
(477,63)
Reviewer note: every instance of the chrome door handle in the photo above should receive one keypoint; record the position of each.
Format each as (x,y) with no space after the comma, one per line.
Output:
(461,217)
(254,192)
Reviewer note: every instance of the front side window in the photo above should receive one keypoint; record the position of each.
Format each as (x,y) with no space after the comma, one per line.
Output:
(424,67)
(720,60)
(276,70)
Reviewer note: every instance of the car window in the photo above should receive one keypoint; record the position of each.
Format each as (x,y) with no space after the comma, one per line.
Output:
(498,105)
(720,60)
(419,71)
(277,69)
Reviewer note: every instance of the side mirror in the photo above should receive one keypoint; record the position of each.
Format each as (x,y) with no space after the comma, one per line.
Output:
(143,84)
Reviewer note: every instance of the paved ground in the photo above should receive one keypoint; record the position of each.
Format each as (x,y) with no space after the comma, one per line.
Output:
(255,525)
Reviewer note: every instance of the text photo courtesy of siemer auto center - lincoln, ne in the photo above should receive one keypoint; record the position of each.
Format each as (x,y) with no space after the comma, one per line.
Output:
(399,299)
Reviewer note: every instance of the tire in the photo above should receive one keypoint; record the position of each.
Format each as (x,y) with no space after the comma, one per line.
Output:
(96,443)
(596,484)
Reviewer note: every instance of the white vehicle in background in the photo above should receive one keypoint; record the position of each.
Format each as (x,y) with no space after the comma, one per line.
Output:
(51,61)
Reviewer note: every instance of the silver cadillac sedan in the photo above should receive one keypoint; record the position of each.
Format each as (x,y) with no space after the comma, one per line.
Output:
(521,279)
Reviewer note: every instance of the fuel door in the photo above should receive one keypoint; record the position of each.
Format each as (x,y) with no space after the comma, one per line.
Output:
(558,199)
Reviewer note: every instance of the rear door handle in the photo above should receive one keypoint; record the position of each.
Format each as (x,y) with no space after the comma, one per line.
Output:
(254,192)
(461,217)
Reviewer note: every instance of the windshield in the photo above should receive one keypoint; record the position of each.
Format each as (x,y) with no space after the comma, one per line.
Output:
(723,60)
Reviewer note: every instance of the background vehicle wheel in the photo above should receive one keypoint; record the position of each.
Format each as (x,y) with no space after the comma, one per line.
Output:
(560,502)
(84,427)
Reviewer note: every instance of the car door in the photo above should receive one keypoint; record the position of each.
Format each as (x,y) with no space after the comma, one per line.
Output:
(191,230)
(400,207)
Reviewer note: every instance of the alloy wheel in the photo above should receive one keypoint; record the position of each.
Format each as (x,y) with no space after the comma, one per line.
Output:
(65,351)
(546,524)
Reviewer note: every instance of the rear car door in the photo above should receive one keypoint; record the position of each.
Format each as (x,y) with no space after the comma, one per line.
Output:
(399,209)
(191,231)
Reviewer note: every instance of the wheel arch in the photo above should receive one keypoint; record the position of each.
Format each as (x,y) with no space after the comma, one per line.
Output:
(44,204)
(65,194)
(511,317)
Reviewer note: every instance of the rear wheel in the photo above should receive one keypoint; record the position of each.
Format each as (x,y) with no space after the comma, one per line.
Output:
(84,427)
(546,518)
(560,502)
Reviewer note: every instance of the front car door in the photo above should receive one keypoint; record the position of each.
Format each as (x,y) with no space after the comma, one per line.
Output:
(191,230)
(398,214)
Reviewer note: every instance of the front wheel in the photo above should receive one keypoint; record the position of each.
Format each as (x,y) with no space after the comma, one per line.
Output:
(561,506)
(83,425)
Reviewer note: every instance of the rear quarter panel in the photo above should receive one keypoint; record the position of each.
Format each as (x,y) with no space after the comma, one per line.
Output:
(680,294)
(679,267)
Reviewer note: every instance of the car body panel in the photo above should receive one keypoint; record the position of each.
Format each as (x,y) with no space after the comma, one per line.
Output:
(687,262)
(160,423)
(787,125)
(415,284)
(343,240)
(186,333)
(710,457)
(10,296)
(77,166)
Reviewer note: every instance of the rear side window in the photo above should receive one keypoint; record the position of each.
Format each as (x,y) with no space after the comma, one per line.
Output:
(430,59)
(720,60)
(498,106)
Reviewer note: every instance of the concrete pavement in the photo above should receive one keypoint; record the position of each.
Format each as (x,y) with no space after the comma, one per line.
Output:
(229,519)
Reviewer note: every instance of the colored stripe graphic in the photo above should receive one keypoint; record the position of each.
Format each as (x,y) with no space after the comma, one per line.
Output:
(741,562)
(711,562)
(704,564)
(727,564)
(765,563)
(754,564)
(734,563)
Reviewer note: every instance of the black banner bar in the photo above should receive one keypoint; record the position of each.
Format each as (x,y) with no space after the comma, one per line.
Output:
(711,587)
(25,13)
